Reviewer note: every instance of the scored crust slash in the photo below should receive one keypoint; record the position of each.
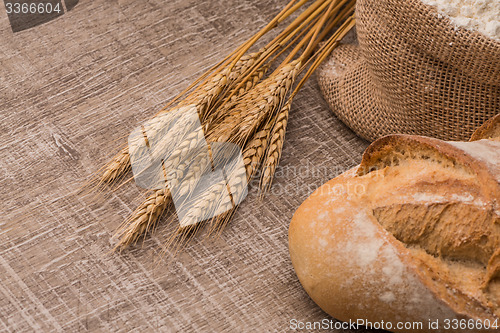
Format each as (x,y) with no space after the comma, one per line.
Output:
(420,244)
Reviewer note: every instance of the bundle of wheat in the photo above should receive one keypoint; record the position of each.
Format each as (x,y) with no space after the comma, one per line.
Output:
(235,103)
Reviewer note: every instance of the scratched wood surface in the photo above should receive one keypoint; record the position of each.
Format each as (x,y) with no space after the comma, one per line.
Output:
(70,89)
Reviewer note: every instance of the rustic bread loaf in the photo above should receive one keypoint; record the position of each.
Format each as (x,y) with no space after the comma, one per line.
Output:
(410,235)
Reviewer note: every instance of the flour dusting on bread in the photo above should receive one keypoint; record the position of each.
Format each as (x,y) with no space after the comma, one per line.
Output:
(487,151)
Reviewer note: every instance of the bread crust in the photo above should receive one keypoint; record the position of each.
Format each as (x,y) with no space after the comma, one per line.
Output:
(489,130)
(387,240)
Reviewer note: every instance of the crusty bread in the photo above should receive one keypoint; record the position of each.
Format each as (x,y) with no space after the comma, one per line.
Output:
(410,235)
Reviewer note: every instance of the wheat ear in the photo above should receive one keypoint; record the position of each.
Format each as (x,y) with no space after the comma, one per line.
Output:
(119,165)
(212,201)
(243,65)
(201,161)
(275,148)
(255,149)
(257,105)
(149,212)
(216,203)
(279,85)
(203,98)
(252,157)
(237,185)
(138,222)
(218,114)
(143,218)
(250,83)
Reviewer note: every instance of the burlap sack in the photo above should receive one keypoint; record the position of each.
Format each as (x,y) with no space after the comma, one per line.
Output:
(413,72)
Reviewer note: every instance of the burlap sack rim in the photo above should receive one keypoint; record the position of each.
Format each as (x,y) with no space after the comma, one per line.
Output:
(472,52)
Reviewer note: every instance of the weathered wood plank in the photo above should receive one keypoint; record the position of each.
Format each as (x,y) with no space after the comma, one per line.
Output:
(70,89)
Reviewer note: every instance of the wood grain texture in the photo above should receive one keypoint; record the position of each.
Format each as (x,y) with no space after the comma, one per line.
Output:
(70,91)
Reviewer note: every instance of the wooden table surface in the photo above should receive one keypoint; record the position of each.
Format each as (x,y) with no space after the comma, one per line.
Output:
(70,90)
